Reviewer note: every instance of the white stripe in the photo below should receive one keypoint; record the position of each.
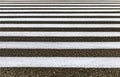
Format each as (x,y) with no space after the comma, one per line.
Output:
(60,14)
(59,45)
(59,26)
(90,7)
(55,0)
(14,3)
(60,34)
(60,10)
(65,62)
(60,19)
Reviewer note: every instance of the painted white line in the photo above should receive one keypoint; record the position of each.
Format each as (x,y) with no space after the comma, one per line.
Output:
(60,10)
(64,62)
(92,4)
(60,34)
(60,14)
(59,25)
(90,7)
(59,45)
(60,19)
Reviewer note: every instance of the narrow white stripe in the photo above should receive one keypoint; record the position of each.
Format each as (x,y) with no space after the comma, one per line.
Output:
(59,26)
(14,3)
(67,14)
(59,19)
(59,45)
(65,62)
(61,34)
(60,10)
(64,7)
(65,1)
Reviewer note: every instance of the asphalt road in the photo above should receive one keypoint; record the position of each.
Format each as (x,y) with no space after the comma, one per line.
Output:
(96,20)
(58,72)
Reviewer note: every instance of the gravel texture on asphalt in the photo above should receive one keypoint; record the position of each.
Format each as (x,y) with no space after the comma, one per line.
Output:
(58,72)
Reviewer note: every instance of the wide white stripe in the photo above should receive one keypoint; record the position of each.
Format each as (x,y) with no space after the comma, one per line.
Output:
(59,25)
(60,19)
(61,34)
(64,62)
(60,14)
(59,45)
(91,7)
(114,10)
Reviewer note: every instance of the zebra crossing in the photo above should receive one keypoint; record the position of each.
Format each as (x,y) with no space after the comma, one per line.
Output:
(63,35)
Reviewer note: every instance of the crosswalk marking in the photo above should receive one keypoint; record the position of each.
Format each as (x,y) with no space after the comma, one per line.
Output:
(62,35)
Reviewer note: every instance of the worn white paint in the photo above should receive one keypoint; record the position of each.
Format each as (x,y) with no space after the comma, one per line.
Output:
(60,14)
(60,19)
(60,10)
(61,62)
(59,45)
(60,34)
(59,25)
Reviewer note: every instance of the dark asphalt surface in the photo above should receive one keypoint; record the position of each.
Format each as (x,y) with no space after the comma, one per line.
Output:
(58,72)
(60,52)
